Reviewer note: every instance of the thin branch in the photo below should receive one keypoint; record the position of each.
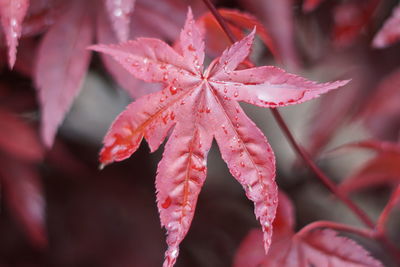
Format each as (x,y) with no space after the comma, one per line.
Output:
(367,233)
(318,172)
(393,201)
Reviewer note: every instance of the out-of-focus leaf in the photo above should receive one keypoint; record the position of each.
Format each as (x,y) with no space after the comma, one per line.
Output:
(238,22)
(320,248)
(279,20)
(390,32)
(61,66)
(12,13)
(350,19)
(119,12)
(382,111)
(310,5)
(41,15)
(133,86)
(18,139)
(383,169)
(251,252)
(23,194)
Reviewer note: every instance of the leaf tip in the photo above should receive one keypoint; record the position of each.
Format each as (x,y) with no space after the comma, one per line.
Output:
(102,166)
(170,256)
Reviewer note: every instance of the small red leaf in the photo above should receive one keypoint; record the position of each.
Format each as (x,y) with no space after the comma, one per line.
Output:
(12,13)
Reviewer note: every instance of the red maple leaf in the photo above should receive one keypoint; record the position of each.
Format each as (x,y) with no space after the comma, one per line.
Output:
(194,107)
(308,247)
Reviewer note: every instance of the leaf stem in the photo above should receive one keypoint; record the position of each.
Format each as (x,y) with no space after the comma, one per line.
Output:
(394,199)
(318,172)
(379,236)
(367,233)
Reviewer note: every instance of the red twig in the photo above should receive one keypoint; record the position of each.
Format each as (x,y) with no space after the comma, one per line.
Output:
(318,172)
(367,233)
(393,201)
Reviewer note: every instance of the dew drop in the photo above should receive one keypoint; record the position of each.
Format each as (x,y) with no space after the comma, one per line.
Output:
(165,77)
(242,164)
(174,253)
(173,90)
(183,102)
(225,90)
(223,128)
(236,94)
(165,119)
(250,188)
(198,168)
(145,60)
(189,33)
(162,99)
(13,22)
(166,203)
(118,12)
(208,110)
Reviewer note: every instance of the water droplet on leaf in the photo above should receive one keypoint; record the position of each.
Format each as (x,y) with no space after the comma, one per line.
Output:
(167,202)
